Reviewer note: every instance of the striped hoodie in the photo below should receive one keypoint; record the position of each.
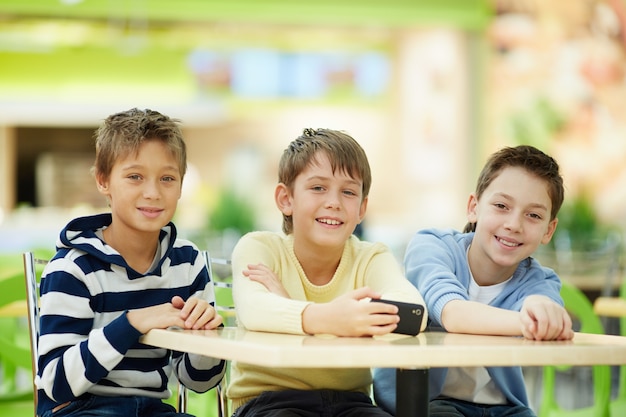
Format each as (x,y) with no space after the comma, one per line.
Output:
(86,343)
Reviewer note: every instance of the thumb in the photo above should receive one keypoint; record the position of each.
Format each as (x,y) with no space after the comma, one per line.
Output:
(364,292)
(178,302)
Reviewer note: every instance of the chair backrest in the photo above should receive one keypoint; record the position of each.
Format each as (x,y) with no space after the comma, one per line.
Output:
(220,272)
(581,310)
(32,265)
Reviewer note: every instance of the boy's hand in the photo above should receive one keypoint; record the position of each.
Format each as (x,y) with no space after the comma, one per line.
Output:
(263,275)
(543,319)
(351,315)
(193,314)
(197,313)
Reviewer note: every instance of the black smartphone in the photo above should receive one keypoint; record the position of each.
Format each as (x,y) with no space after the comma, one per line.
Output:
(411,316)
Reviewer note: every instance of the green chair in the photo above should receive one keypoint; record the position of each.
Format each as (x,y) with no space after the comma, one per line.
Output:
(618,404)
(14,349)
(581,310)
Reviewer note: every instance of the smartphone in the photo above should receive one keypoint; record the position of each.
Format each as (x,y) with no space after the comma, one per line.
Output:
(411,316)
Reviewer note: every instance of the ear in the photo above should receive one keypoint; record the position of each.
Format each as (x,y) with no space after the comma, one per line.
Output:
(472,206)
(103,184)
(550,232)
(283,200)
(363,209)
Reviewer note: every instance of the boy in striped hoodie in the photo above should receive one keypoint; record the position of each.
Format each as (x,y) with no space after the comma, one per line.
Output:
(116,276)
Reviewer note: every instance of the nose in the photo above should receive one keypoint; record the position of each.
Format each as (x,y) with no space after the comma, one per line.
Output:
(513,222)
(332,201)
(151,190)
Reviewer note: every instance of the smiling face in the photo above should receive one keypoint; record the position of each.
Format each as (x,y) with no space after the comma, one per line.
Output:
(143,189)
(325,206)
(512,219)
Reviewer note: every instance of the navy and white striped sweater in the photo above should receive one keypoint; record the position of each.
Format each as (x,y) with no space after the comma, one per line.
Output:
(86,343)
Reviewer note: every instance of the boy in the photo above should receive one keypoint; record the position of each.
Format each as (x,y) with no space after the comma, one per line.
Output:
(116,276)
(315,278)
(483,281)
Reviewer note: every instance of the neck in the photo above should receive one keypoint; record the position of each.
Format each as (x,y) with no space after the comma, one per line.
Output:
(138,250)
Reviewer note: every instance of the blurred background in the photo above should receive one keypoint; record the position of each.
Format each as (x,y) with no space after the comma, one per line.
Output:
(428,87)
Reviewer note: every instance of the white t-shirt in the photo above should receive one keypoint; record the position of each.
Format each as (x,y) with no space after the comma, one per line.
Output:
(474,384)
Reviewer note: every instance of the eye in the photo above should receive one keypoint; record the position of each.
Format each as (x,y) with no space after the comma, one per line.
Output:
(499,206)
(535,216)
(317,188)
(350,193)
(168,179)
(135,177)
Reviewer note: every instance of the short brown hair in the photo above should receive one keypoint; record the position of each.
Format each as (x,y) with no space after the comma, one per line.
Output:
(122,133)
(532,160)
(344,153)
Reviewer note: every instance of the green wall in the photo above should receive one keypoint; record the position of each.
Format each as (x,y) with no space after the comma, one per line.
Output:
(97,50)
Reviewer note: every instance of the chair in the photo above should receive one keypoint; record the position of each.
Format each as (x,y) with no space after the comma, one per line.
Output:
(579,306)
(14,350)
(221,277)
(618,404)
(220,272)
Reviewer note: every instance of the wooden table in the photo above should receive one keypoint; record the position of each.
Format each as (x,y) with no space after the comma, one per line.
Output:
(610,306)
(411,356)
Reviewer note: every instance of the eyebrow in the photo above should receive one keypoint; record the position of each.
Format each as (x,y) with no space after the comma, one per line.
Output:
(323,178)
(139,166)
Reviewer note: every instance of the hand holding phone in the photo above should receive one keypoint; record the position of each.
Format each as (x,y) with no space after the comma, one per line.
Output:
(411,316)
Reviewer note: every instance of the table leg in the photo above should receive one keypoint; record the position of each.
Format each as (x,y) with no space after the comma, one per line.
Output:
(412,393)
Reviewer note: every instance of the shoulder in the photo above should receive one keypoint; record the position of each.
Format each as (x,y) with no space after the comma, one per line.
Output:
(183,251)
(262,241)
(533,278)
(184,245)
(364,248)
(530,267)
(442,237)
(263,237)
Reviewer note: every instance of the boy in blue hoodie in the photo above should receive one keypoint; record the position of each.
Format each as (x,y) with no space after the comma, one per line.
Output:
(484,281)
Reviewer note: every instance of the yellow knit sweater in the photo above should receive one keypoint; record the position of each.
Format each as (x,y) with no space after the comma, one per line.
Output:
(362,264)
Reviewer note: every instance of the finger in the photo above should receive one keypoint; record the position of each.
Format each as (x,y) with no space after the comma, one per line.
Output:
(379,307)
(541,330)
(213,323)
(364,292)
(198,316)
(385,319)
(567,334)
(263,279)
(194,307)
(529,327)
(257,267)
(178,302)
(189,306)
(382,330)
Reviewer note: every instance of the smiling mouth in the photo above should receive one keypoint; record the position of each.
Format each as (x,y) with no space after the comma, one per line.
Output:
(150,210)
(330,222)
(508,243)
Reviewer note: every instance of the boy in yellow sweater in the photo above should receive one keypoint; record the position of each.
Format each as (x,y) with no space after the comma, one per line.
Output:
(315,278)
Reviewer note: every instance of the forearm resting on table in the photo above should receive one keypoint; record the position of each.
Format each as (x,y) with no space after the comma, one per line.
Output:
(462,316)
